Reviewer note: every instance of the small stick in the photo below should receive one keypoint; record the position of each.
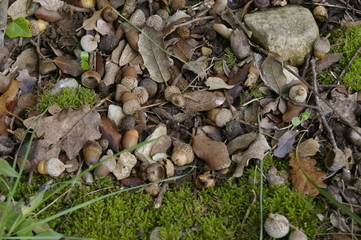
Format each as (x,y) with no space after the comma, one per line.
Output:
(159,200)
(317,99)
(349,64)
(250,206)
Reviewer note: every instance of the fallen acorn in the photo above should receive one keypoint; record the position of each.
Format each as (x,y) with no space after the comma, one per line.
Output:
(321,47)
(182,154)
(130,138)
(52,167)
(107,166)
(92,151)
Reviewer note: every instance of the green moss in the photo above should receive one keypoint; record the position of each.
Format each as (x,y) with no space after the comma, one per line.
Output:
(67,97)
(186,213)
(231,59)
(349,40)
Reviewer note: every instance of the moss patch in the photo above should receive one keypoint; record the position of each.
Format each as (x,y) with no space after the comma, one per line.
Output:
(186,213)
(349,40)
(67,97)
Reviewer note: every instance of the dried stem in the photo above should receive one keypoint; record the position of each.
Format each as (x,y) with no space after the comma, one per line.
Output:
(318,104)
(349,64)
(3,19)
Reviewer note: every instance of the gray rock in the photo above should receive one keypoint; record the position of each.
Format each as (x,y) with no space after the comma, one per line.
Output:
(288,31)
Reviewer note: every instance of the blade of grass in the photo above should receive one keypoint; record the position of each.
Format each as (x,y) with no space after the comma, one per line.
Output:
(261,177)
(328,196)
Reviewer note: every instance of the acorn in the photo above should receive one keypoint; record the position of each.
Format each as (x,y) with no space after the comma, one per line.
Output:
(169,91)
(155,172)
(222,30)
(132,37)
(130,138)
(220,116)
(37,26)
(92,151)
(321,47)
(82,3)
(107,166)
(129,82)
(277,225)
(142,94)
(52,167)
(178,4)
(119,90)
(138,18)
(156,22)
(298,93)
(90,79)
(130,107)
(130,71)
(178,100)
(150,85)
(182,154)
(109,15)
(89,43)
(320,13)
(127,96)
(205,181)
(47,15)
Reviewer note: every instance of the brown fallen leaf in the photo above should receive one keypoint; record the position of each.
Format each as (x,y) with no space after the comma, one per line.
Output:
(327,61)
(27,82)
(90,23)
(241,142)
(202,101)
(155,59)
(272,73)
(69,65)
(8,96)
(308,148)
(183,49)
(285,144)
(299,180)
(214,153)
(68,131)
(292,111)
(217,83)
(257,150)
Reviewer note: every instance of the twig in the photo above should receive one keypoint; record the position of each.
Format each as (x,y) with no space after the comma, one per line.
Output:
(159,200)
(318,104)
(349,64)
(335,6)
(249,207)
(194,20)
(3,19)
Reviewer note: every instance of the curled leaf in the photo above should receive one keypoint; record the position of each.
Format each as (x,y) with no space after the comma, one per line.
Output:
(272,73)
(217,83)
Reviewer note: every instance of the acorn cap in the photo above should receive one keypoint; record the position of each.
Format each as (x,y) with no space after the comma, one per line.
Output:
(90,79)
(182,154)
(155,172)
(142,94)
(89,43)
(298,94)
(37,26)
(277,225)
(169,91)
(335,160)
(130,107)
(119,90)
(54,167)
(109,15)
(223,117)
(156,22)
(150,85)
(129,82)
(138,18)
(178,4)
(127,96)
(321,47)
(297,235)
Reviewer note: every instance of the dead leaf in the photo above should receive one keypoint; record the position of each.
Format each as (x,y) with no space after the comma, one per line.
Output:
(90,23)
(103,27)
(198,101)
(299,180)
(183,49)
(241,142)
(343,103)
(18,9)
(285,144)
(118,51)
(67,131)
(272,73)
(27,59)
(53,5)
(214,153)
(327,61)
(292,111)
(217,83)
(256,150)
(128,54)
(8,96)
(161,145)
(198,66)
(308,148)
(155,59)
(69,66)
(4,82)
(27,83)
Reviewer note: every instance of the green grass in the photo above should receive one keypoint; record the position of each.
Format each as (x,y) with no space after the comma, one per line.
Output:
(186,213)
(349,39)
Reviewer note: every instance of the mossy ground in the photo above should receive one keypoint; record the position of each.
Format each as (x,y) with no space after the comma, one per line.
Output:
(186,213)
(347,41)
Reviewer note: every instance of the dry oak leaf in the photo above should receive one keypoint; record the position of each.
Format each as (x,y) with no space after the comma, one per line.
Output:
(155,59)
(258,150)
(90,23)
(68,131)
(69,65)
(198,101)
(272,73)
(298,178)
(214,153)
(8,96)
